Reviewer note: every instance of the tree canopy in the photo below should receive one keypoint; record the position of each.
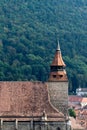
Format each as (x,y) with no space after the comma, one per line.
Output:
(28,33)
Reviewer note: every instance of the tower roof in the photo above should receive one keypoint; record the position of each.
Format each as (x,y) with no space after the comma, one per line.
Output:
(58,61)
(58,72)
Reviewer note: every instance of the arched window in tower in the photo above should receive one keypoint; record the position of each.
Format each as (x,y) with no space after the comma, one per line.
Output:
(58,128)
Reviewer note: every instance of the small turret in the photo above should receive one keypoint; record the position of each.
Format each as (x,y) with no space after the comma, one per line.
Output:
(57,68)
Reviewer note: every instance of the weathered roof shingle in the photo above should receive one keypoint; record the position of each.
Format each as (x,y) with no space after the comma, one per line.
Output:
(25,99)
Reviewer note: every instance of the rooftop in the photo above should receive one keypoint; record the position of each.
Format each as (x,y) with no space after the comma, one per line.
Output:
(24,99)
(58,61)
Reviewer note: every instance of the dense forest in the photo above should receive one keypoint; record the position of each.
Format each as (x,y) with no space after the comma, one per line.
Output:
(29,30)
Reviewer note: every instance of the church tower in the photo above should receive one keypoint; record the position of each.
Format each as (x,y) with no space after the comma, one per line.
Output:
(58,83)
(57,67)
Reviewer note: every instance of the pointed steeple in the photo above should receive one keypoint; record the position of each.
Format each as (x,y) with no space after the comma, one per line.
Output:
(58,61)
(57,68)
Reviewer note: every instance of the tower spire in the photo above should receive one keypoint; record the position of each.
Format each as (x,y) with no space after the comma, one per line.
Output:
(57,68)
(58,61)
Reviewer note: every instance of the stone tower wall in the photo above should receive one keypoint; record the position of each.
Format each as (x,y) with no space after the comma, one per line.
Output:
(58,93)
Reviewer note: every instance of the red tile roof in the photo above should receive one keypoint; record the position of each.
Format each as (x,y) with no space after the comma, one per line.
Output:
(74,98)
(58,61)
(84,112)
(26,99)
(75,125)
(84,100)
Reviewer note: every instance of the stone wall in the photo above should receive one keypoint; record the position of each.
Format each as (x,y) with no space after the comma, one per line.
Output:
(27,125)
(58,93)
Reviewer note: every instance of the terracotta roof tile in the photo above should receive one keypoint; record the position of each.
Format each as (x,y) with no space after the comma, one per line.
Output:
(75,125)
(25,99)
(84,112)
(84,100)
(74,98)
(58,61)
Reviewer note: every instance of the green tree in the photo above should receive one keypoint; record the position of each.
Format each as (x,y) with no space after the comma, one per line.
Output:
(72,113)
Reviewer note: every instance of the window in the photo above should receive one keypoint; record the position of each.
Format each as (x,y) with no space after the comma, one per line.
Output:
(58,128)
(61,76)
(54,76)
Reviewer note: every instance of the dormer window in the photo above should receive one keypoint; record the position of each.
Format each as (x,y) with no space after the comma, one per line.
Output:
(61,76)
(54,76)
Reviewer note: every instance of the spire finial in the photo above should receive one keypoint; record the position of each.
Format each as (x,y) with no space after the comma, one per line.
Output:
(58,46)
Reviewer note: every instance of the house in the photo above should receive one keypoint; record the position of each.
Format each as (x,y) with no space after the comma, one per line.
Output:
(79,104)
(81,91)
(75,125)
(74,100)
(82,118)
(84,102)
(85,107)
(77,101)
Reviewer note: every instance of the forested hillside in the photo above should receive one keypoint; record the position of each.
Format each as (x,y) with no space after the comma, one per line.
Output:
(28,33)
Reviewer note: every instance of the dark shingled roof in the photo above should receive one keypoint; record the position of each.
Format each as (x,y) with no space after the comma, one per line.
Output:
(25,99)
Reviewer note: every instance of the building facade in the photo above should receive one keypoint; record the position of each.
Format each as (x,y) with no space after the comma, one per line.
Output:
(36,105)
